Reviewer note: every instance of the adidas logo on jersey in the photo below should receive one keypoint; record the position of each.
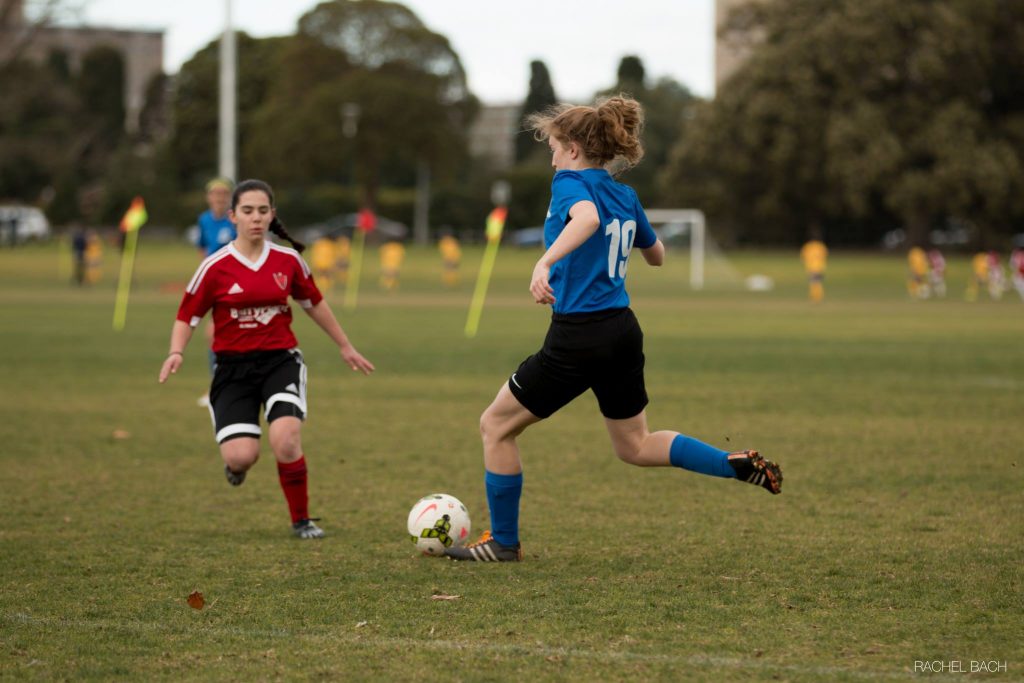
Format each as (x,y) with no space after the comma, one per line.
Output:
(235,289)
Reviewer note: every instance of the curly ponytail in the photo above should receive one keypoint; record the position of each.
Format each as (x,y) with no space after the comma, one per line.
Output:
(276,226)
(607,132)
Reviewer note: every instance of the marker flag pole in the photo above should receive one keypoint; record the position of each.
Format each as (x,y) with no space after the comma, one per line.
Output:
(495,226)
(133,219)
(366,222)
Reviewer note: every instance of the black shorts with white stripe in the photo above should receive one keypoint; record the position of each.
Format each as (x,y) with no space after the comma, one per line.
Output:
(242,383)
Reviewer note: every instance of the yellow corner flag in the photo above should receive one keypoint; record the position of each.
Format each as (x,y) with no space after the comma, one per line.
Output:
(495,226)
(134,218)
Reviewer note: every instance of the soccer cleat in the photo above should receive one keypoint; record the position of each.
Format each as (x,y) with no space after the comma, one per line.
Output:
(234,478)
(486,550)
(752,468)
(305,528)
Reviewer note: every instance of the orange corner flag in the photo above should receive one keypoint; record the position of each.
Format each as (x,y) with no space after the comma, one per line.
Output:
(496,223)
(135,216)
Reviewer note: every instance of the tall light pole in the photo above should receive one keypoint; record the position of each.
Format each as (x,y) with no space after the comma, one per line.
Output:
(228,155)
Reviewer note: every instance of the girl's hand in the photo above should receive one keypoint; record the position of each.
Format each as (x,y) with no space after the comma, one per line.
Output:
(170,366)
(355,360)
(539,287)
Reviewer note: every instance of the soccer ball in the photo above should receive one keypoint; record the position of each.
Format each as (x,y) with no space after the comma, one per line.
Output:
(438,521)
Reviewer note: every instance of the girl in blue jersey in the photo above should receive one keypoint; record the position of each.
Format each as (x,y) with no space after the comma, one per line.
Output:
(594,341)
(215,231)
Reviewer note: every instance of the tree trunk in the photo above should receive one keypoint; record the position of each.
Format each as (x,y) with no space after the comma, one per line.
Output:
(917,229)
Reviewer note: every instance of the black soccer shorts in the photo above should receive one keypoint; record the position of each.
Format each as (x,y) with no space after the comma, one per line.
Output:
(244,382)
(602,351)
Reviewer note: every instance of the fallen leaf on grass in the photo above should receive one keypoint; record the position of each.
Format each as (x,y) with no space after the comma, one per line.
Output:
(196,600)
(442,596)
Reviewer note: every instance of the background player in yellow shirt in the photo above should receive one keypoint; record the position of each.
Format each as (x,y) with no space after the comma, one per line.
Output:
(979,275)
(814,254)
(451,256)
(391,256)
(917,284)
(323,258)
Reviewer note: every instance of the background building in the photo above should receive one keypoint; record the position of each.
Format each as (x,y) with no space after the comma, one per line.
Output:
(142,50)
(493,133)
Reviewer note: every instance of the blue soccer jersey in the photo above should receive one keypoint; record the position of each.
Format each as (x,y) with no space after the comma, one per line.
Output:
(593,276)
(214,233)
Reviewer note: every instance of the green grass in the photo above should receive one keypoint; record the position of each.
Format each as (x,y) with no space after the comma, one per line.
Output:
(900,535)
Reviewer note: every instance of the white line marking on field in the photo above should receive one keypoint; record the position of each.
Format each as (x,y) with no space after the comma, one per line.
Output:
(537,649)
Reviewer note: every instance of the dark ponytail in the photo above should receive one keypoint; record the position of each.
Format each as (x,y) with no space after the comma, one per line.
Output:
(276,226)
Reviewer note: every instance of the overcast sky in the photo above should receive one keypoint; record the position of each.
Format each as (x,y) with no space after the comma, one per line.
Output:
(580,41)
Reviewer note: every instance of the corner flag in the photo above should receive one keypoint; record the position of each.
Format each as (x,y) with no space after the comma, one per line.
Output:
(495,226)
(134,218)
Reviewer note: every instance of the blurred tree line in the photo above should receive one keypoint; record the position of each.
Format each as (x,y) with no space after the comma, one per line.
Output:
(849,118)
(855,116)
(341,114)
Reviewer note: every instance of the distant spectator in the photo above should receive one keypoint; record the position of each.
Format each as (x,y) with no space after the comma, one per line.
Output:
(996,276)
(324,261)
(391,256)
(1017,269)
(814,254)
(93,257)
(937,272)
(451,257)
(917,284)
(978,277)
(79,242)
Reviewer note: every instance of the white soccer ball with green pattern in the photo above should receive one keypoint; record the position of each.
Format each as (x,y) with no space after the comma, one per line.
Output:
(438,521)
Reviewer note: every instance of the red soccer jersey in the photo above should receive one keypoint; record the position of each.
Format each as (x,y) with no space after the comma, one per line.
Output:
(249,300)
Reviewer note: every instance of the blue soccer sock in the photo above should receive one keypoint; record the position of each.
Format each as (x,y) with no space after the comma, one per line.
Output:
(697,456)
(503,491)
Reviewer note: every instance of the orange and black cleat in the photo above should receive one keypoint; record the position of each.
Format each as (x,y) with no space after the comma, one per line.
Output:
(753,469)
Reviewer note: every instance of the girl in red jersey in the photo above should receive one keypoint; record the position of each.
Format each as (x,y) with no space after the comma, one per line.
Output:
(247,286)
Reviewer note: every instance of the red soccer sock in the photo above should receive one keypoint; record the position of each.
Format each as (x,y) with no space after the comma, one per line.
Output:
(292,476)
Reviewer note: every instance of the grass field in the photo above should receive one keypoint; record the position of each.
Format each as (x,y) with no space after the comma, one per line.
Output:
(899,536)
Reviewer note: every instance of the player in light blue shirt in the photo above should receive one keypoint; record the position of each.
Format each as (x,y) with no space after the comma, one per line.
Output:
(594,341)
(215,228)
(215,231)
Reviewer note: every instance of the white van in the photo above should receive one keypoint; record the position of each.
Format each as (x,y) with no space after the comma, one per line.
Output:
(19,223)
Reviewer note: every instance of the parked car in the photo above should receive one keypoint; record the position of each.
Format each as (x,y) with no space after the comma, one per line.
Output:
(19,224)
(344,224)
(528,237)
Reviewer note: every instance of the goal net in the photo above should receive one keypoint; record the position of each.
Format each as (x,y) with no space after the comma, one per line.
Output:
(687,228)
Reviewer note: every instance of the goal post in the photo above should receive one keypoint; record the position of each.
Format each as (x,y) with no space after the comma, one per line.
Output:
(691,220)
